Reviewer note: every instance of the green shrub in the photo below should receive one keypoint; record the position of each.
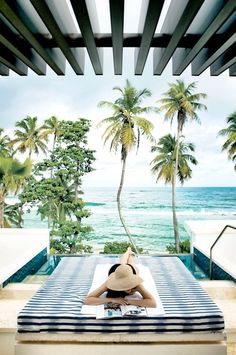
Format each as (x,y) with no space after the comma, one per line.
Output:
(118,248)
(184,247)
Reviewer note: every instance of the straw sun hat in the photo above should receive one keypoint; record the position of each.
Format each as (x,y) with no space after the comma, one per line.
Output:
(123,279)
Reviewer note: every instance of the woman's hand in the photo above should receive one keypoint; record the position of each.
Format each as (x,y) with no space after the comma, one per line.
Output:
(118,301)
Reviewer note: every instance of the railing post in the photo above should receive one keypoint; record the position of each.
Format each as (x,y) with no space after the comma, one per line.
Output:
(210,266)
(211,248)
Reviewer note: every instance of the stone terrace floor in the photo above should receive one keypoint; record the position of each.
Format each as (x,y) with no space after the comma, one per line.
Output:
(14,296)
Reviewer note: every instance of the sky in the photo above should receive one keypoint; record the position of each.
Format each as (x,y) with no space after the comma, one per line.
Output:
(71,97)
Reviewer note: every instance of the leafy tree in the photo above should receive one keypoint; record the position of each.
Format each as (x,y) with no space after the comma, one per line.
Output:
(181,102)
(69,238)
(73,152)
(13,175)
(4,144)
(118,248)
(59,196)
(28,136)
(230,134)
(164,165)
(184,247)
(51,126)
(124,129)
(13,216)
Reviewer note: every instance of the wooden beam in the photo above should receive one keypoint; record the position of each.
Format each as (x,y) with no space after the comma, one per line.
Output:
(4,71)
(177,27)
(55,61)
(182,59)
(88,25)
(117,29)
(206,57)
(149,16)
(10,61)
(232,70)
(74,57)
(21,50)
(225,61)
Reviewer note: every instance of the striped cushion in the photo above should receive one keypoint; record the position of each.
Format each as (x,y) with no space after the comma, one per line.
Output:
(56,306)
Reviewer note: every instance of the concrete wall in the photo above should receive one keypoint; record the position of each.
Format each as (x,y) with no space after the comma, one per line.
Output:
(18,247)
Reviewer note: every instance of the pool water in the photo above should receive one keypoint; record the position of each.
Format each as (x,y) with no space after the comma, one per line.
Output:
(193,267)
(187,259)
(49,266)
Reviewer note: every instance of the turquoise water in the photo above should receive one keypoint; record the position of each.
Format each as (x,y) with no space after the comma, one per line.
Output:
(148,213)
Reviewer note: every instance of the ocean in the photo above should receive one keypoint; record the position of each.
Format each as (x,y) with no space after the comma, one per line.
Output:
(148,213)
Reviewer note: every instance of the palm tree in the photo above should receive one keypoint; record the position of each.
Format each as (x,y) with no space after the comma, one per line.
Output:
(124,128)
(180,101)
(51,126)
(12,178)
(4,144)
(13,215)
(164,164)
(29,137)
(230,133)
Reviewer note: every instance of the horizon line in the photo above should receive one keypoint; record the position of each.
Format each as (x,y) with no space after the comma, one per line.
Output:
(148,187)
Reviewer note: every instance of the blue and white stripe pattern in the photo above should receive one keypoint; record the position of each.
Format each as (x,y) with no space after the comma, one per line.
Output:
(56,306)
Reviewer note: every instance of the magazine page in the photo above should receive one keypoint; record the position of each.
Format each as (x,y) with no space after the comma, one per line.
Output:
(133,311)
(116,311)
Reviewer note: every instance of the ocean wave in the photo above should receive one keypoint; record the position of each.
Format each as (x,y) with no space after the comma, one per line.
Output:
(148,207)
(168,213)
(95,204)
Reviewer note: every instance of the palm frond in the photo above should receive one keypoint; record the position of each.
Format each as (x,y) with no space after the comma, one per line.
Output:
(108,120)
(125,120)
(180,98)
(163,165)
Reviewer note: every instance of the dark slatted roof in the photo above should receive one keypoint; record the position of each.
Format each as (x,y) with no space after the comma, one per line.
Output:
(39,33)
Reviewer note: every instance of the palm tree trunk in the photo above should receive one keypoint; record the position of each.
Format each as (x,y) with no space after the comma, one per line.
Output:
(53,148)
(175,221)
(119,205)
(1,210)
(51,175)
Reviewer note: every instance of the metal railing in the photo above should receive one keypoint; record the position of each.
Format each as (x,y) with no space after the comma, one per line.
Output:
(219,236)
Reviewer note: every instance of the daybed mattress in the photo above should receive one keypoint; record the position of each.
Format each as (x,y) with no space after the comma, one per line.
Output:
(56,306)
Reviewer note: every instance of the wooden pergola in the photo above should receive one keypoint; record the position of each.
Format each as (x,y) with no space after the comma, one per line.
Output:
(37,33)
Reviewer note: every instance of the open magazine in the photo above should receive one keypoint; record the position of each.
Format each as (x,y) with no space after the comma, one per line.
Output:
(114,311)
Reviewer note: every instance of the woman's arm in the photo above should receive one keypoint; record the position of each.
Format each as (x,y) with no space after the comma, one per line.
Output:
(94,298)
(147,301)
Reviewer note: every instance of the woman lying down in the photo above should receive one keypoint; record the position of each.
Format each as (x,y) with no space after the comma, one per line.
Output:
(123,280)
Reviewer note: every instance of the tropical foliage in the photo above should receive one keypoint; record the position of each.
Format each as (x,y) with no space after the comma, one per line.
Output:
(5,150)
(69,238)
(184,247)
(124,129)
(13,175)
(164,164)
(13,216)
(118,248)
(181,102)
(28,137)
(230,134)
(51,127)
(59,196)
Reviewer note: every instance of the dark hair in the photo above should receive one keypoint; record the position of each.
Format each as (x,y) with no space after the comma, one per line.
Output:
(113,293)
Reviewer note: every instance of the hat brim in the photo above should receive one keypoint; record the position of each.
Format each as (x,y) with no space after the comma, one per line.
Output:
(125,284)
